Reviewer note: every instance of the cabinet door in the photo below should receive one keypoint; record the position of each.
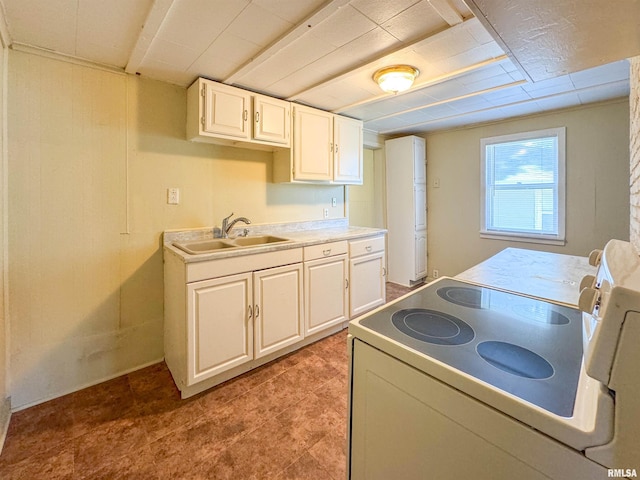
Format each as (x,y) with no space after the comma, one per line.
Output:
(220,333)
(325,293)
(278,309)
(226,110)
(419,161)
(420,199)
(312,144)
(366,283)
(271,119)
(348,150)
(421,255)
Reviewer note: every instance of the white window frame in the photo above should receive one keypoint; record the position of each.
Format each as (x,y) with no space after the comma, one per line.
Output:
(559,238)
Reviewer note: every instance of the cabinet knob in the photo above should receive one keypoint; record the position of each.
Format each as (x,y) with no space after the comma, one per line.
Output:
(326,252)
(368,248)
(587,282)
(595,257)
(588,299)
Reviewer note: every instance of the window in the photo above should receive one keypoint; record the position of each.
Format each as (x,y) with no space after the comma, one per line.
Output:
(523,186)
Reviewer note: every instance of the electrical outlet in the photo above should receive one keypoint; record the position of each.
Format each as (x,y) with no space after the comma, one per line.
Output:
(436,273)
(334,202)
(326,213)
(173,196)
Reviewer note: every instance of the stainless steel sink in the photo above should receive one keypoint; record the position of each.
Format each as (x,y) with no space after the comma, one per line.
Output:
(216,244)
(204,246)
(258,240)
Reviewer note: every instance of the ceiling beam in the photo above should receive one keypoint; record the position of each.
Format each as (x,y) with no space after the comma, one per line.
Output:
(156,16)
(450,100)
(427,83)
(374,64)
(512,104)
(303,27)
(446,11)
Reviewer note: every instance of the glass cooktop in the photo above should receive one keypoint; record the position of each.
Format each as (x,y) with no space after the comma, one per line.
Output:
(527,347)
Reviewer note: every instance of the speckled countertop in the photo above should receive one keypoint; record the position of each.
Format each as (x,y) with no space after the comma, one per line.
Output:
(544,275)
(300,234)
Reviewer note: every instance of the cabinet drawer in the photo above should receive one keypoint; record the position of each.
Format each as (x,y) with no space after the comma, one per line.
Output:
(324,250)
(366,246)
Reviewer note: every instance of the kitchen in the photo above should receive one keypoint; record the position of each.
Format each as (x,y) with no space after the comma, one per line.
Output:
(90,152)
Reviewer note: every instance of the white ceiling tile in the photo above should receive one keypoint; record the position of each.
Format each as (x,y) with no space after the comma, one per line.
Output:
(169,53)
(415,22)
(611,72)
(470,104)
(108,30)
(258,25)
(344,26)
(462,8)
(605,92)
(167,73)
(216,59)
(382,10)
(293,11)
(50,25)
(555,102)
(506,95)
(195,24)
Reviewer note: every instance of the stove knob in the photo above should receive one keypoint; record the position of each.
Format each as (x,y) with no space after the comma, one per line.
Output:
(595,257)
(587,282)
(588,299)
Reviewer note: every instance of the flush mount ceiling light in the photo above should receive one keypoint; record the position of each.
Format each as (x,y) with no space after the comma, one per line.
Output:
(396,78)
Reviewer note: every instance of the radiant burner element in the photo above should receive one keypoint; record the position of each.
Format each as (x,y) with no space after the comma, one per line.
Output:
(432,327)
(463,296)
(516,360)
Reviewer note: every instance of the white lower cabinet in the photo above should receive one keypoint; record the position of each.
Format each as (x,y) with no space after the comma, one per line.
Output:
(277,311)
(220,328)
(325,292)
(367,275)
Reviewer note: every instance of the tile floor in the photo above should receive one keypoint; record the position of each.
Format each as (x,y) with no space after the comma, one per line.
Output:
(284,420)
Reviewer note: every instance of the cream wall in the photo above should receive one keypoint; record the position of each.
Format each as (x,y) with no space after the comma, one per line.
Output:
(4,393)
(634,150)
(597,178)
(91,154)
(366,201)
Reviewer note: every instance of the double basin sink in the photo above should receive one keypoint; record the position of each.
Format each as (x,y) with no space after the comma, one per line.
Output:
(217,244)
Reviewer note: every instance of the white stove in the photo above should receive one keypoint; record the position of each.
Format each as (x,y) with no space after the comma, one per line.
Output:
(458,380)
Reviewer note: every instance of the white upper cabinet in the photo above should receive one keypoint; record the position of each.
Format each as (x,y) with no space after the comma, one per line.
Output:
(226,115)
(348,150)
(271,120)
(326,148)
(217,110)
(312,144)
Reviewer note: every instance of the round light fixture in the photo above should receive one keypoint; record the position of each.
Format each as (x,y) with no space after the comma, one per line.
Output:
(396,78)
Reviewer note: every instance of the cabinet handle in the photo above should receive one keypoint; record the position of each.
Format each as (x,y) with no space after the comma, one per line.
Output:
(250,311)
(257,311)
(336,149)
(245,115)
(257,117)
(326,252)
(331,147)
(346,284)
(368,248)
(384,271)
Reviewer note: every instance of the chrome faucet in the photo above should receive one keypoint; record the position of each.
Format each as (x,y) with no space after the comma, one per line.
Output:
(227,226)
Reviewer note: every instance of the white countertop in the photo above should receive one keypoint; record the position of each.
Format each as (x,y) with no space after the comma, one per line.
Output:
(550,276)
(300,235)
